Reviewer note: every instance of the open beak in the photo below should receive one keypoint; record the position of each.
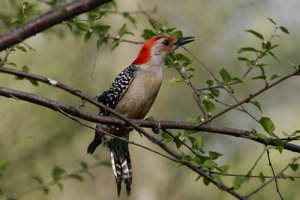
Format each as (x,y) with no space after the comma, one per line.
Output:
(183,41)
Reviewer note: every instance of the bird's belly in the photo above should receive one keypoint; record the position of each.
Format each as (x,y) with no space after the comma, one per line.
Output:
(139,98)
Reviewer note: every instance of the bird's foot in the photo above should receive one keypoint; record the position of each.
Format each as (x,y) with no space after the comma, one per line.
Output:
(157,127)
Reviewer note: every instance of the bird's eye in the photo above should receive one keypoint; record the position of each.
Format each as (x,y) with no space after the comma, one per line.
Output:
(166,42)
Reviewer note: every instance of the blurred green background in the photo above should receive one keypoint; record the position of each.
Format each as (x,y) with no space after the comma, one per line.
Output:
(35,139)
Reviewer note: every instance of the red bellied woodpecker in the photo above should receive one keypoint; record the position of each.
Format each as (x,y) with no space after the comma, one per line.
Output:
(132,94)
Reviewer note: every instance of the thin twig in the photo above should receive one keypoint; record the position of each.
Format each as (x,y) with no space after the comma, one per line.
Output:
(198,98)
(7,53)
(125,40)
(272,179)
(273,172)
(256,162)
(182,142)
(250,176)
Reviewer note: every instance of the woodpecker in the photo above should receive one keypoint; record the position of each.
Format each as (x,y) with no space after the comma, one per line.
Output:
(132,94)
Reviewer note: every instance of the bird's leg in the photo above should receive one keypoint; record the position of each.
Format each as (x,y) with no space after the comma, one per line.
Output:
(156,129)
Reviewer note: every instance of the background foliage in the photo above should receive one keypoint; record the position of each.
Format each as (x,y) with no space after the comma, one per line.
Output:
(38,145)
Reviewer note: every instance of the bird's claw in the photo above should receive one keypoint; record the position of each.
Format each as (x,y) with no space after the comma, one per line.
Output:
(156,129)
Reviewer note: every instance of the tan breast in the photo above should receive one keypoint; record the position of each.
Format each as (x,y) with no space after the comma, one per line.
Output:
(141,94)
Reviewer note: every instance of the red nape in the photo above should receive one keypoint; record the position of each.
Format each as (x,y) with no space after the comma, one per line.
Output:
(145,53)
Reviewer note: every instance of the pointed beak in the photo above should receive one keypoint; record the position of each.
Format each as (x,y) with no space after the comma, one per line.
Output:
(183,41)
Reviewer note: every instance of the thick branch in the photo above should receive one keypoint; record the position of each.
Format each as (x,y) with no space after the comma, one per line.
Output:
(74,111)
(47,20)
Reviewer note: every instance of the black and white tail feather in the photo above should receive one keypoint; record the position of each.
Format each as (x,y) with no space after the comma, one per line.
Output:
(121,163)
(120,157)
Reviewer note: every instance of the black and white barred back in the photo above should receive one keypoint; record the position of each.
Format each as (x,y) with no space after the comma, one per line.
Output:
(119,86)
(120,156)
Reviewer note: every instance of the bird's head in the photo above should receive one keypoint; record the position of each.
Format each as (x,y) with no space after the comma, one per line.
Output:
(157,48)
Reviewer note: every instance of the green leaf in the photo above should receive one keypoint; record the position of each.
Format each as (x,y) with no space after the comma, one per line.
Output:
(115,43)
(175,80)
(255,33)
(274,76)
(147,34)
(280,145)
(209,164)
(155,24)
(101,28)
(82,26)
(241,80)
(294,166)
(183,59)
(11,63)
(261,136)
(57,172)
(10,198)
(215,92)
(225,75)
(247,49)
(295,133)
(177,34)
(257,105)
(291,178)
(266,45)
(187,158)
(267,124)
(33,82)
(127,15)
(209,106)
(166,137)
(197,143)
(206,181)
(283,29)
(272,21)
(273,55)
(1,192)
(83,165)
(199,159)
(237,182)
(214,155)
(87,35)
(223,168)
(17,46)
(262,177)
(4,164)
(77,177)
(210,83)
(25,68)
(263,77)
(123,31)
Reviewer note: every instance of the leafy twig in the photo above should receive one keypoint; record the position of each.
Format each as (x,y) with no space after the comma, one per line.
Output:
(47,20)
(54,182)
(271,180)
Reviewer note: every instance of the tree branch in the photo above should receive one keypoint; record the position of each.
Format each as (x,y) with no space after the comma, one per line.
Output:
(144,123)
(47,20)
